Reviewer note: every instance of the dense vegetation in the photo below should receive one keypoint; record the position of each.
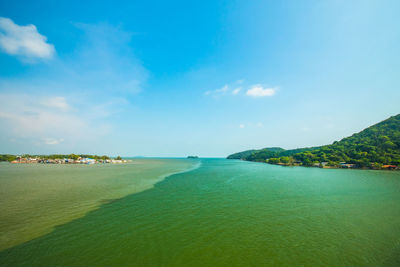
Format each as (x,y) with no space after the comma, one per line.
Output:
(245,154)
(7,157)
(373,147)
(266,153)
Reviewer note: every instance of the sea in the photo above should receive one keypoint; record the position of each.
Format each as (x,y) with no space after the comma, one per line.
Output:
(197,212)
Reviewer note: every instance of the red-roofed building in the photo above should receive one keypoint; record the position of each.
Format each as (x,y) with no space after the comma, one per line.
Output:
(389,167)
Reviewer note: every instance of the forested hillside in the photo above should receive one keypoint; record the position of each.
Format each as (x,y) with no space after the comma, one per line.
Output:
(261,153)
(373,147)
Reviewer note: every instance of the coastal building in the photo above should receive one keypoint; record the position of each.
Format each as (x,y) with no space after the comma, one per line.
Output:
(320,164)
(80,160)
(389,167)
(346,165)
(88,161)
(118,161)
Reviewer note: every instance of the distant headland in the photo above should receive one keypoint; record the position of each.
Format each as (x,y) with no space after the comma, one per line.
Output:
(376,147)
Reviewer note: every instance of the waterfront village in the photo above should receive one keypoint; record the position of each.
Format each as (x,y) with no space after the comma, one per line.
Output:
(354,166)
(343,165)
(66,160)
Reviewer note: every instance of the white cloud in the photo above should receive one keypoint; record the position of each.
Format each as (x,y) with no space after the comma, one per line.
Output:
(217,92)
(260,124)
(52,141)
(103,64)
(223,89)
(256,90)
(236,90)
(24,41)
(76,101)
(25,118)
(241,126)
(58,102)
(259,91)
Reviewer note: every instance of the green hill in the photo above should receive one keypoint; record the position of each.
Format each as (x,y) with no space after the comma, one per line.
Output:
(246,154)
(266,153)
(373,147)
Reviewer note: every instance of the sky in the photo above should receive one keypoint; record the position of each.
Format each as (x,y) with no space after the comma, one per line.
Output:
(207,78)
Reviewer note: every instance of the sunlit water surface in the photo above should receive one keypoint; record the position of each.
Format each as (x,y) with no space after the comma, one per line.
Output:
(223,213)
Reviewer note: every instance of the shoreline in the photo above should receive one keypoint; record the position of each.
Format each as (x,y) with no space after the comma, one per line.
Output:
(325,167)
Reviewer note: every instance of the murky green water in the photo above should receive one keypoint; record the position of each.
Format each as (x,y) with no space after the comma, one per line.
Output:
(35,197)
(233,213)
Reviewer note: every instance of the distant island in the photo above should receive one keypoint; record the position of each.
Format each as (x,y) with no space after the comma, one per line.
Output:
(376,147)
(61,159)
(192,157)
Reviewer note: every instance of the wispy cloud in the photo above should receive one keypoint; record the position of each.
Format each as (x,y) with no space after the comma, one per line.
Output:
(218,92)
(223,89)
(75,100)
(251,125)
(259,91)
(24,41)
(236,91)
(52,141)
(256,90)
(105,62)
(58,102)
(34,120)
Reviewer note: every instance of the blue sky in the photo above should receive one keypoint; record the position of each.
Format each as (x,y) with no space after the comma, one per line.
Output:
(207,78)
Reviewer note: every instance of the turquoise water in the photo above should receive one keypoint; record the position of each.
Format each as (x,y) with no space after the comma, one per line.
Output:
(234,213)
